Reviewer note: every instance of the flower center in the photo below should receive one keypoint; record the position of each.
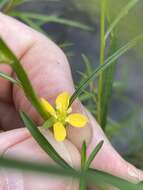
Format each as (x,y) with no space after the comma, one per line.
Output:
(61,117)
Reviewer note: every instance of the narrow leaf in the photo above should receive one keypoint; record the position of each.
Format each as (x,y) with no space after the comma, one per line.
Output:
(52,19)
(8,57)
(49,123)
(2,3)
(7,77)
(93,154)
(92,176)
(32,24)
(19,2)
(102,57)
(83,155)
(42,141)
(87,64)
(106,88)
(8,162)
(121,15)
(110,61)
(113,180)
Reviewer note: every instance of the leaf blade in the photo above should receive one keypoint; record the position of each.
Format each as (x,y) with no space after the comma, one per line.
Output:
(7,77)
(93,154)
(42,141)
(121,15)
(107,63)
(83,155)
(106,85)
(52,19)
(92,176)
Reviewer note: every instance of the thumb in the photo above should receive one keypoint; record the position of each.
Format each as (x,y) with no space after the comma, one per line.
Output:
(108,159)
(46,65)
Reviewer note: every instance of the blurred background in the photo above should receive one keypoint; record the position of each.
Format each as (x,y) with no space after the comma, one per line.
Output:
(75,26)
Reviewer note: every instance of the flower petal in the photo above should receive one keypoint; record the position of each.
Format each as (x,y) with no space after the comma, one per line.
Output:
(59,131)
(62,102)
(47,106)
(77,120)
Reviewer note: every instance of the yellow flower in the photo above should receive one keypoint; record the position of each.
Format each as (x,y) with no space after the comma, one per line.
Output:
(62,115)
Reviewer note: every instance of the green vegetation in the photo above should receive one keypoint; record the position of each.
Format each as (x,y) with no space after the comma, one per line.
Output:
(95,90)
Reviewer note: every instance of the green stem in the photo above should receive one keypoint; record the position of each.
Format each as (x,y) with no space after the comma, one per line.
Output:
(9,6)
(102,57)
(82,184)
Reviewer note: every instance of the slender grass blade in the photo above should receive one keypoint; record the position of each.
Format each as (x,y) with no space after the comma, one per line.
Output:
(42,141)
(121,15)
(110,61)
(93,154)
(7,77)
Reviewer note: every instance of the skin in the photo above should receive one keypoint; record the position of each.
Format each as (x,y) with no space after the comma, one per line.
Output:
(39,57)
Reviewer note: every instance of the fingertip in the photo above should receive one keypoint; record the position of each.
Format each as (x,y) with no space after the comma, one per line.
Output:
(108,159)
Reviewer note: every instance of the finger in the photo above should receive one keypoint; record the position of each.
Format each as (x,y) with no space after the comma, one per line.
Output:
(9,117)
(18,39)
(52,59)
(5,88)
(49,66)
(23,147)
(43,61)
(57,81)
(108,159)
(19,44)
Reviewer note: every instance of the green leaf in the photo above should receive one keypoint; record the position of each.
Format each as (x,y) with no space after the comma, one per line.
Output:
(7,77)
(8,162)
(87,64)
(99,177)
(92,176)
(66,44)
(106,78)
(93,154)
(102,56)
(110,61)
(83,155)
(86,96)
(106,86)
(83,184)
(49,123)
(5,54)
(8,57)
(121,15)
(2,3)
(52,19)
(89,70)
(42,141)
(19,2)
(32,24)
(125,48)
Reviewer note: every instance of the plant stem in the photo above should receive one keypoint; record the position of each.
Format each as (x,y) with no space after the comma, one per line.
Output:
(102,58)
(8,7)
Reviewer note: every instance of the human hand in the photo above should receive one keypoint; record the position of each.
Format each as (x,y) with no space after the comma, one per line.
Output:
(49,71)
